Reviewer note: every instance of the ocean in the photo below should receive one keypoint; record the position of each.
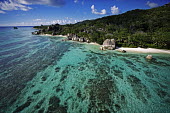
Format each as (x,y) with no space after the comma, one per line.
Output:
(42,74)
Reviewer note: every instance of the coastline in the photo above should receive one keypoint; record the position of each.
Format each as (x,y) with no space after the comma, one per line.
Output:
(136,50)
(143,50)
(64,36)
(93,43)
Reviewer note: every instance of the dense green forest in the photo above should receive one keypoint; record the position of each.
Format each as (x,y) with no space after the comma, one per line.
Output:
(136,28)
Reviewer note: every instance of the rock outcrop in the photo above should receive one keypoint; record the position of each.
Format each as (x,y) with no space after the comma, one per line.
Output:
(102,48)
(108,44)
(74,37)
(149,57)
(36,33)
(121,50)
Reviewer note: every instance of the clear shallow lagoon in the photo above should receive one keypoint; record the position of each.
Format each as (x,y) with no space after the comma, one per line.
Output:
(41,74)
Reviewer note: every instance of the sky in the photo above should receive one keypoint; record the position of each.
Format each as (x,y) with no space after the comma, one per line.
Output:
(46,12)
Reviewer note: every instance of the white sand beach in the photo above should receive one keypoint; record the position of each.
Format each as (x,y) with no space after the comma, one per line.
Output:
(64,36)
(94,43)
(143,50)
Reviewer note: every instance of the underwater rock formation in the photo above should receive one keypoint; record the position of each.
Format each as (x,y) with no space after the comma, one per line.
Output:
(104,96)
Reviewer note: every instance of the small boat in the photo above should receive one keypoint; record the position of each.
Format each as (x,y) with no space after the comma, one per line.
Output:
(15,27)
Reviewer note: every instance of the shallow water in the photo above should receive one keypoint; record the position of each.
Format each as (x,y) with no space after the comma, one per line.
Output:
(41,74)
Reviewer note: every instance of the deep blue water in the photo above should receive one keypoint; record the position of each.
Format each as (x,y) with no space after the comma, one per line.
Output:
(42,74)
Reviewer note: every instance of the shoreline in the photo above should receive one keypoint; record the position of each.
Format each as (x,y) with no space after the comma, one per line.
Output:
(143,50)
(64,36)
(92,43)
(136,50)
(54,35)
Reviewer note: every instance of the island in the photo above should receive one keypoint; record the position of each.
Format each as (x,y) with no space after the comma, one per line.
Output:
(133,29)
(15,27)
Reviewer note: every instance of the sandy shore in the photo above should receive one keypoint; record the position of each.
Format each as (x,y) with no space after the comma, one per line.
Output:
(143,50)
(54,35)
(91,43)
(64,36)
(94,43)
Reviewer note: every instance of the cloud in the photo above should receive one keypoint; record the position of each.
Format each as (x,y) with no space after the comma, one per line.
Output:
(42,22)
(115,10)
(75,1)
(82,2)
(151,4)
(63,21)
(10,5)
(79,1)
(94,11)
(68,18)
(57,3)
(2,12)
(38,19)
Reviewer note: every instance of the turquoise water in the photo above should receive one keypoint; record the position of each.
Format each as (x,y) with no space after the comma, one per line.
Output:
(41,74)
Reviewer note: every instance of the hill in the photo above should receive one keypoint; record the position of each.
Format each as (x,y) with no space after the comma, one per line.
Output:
(136,28)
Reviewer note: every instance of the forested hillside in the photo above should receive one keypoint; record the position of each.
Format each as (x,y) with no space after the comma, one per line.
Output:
(136,28)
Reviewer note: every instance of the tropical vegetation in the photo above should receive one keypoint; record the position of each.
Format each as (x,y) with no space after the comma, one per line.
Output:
(136,28)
